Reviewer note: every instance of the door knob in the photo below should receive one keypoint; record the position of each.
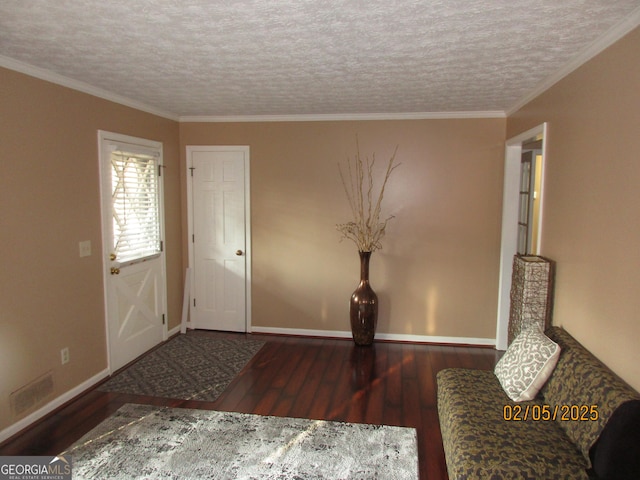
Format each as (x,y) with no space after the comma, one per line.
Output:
(239,252)
(115,271)
(112,256)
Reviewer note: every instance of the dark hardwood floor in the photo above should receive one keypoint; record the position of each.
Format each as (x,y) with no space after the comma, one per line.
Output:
(329,379)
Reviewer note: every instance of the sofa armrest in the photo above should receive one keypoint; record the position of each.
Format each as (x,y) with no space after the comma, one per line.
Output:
(581,380)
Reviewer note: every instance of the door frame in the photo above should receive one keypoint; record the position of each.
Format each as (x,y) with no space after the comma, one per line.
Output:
(104,137)
(247,220)
(510,211)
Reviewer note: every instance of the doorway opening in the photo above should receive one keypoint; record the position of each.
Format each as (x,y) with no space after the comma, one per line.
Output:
(529,201)
(522,211)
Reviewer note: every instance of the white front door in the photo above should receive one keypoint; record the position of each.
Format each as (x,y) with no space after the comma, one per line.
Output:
(218,229)
(134,260)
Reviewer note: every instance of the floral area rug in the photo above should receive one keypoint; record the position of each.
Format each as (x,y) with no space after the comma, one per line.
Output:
(193,366)
(143,441)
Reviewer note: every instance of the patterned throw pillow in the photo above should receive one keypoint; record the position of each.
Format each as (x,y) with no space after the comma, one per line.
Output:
(527,364)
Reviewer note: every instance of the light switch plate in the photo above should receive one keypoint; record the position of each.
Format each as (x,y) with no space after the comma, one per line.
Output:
(85,248)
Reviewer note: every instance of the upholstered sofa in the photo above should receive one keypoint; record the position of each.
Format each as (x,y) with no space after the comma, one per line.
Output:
(583,423)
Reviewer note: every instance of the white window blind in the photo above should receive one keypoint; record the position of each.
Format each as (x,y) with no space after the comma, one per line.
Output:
(135,197)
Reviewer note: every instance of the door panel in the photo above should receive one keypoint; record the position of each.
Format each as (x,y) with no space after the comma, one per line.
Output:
(219,258)
(134,261)
(136,296)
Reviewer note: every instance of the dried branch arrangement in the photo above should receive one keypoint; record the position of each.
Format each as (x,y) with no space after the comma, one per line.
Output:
(366,230)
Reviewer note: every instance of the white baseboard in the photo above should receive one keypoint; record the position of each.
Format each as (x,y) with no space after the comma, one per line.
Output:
(52,405)
(173,331)
(301,332)
(396,337)
(399,337)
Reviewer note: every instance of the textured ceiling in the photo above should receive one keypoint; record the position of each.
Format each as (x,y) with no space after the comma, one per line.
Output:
(308,57)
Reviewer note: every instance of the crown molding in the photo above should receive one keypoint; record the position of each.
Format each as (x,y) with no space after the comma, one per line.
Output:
(49,76)
(52,77)
(603,42)
(609,38)
(341,117)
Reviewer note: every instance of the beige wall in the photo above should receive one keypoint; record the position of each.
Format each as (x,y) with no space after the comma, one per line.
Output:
(51,298)
(592,201)
(438,271)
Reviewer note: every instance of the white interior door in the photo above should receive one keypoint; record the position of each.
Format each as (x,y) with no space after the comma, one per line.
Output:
(134,260)
(219,249)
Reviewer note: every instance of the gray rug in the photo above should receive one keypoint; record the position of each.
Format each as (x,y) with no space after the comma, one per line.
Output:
(193,366)
(143,441)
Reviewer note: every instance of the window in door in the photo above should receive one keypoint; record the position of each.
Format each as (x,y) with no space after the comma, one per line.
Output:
(135,206)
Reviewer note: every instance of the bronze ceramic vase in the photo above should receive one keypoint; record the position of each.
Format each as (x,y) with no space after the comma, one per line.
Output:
(363,308)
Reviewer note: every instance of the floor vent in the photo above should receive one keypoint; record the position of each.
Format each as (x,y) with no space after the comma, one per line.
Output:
(31,394)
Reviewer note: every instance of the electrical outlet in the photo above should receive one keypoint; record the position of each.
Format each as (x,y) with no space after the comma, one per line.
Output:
(85,248)
(64,355)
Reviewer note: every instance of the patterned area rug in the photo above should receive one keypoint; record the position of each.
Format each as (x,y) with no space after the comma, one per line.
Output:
(143,441)
(194,366)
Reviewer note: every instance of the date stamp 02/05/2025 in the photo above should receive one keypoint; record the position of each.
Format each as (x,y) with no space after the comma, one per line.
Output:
(544,413)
